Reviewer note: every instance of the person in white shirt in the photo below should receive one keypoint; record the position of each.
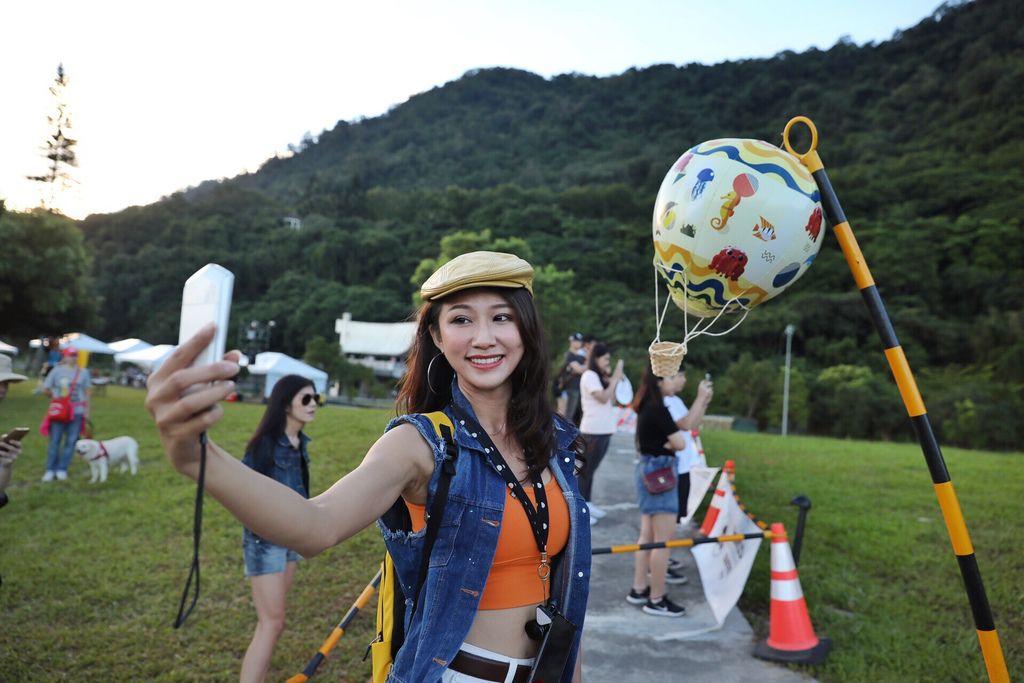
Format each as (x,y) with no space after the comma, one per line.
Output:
(597,387)
(688,420)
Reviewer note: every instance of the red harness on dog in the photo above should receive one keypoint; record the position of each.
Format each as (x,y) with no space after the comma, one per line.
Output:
(103,452)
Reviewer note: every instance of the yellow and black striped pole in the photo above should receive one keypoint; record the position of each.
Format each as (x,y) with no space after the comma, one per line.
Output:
(955,525)
(679,543)
(338,631)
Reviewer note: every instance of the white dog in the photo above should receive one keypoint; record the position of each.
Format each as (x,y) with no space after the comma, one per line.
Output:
(101,454)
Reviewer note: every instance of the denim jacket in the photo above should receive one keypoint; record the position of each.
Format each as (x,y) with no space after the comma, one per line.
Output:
(464,550)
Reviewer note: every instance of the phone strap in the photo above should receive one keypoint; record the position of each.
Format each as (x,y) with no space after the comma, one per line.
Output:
(197,530)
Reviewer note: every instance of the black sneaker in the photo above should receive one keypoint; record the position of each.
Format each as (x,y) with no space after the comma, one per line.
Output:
(675,576)
(639,598)
(673,563)
(664,608)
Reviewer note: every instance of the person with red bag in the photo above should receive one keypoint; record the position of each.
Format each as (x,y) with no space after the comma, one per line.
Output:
(658,437)
(68,387)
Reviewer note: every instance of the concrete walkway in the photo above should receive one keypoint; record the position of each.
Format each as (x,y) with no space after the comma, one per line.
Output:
(621,644)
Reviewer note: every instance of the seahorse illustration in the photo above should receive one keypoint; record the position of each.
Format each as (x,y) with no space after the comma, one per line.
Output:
(732,200)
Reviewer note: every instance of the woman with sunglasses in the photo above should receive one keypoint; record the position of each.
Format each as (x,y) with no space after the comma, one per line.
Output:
(512,546)
(277,449)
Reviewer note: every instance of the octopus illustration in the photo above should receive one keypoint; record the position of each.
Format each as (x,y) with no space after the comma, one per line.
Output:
(743,185)
(703,178)
(813,226)
(730,262)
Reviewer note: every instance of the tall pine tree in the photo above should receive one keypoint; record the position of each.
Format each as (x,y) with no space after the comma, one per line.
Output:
(59,149)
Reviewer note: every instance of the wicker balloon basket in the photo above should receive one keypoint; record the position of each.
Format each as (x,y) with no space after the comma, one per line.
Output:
(666,357)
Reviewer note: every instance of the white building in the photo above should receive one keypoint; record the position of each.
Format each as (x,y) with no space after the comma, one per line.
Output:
(380,346)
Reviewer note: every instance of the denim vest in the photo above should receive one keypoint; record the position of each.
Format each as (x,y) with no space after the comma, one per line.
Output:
(464,550)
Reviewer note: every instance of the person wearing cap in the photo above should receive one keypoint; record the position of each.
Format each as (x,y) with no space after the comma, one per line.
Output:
(67,379)
(501,552)
(9,450)
(573,366)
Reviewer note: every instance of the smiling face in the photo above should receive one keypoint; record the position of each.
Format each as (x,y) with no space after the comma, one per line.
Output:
(479,336)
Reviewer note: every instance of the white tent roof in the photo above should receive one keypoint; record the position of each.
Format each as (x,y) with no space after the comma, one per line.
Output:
(374,339)
(84,342)
(276,365)
(126,345)
(8,349)
(148,359)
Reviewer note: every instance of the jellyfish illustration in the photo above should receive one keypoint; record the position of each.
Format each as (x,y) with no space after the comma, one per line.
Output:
(703,178)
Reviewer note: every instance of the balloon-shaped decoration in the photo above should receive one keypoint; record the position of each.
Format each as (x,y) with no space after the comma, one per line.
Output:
(735,223)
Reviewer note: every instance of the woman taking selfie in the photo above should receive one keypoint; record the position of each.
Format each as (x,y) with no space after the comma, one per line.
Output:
(513,547)
(277,450)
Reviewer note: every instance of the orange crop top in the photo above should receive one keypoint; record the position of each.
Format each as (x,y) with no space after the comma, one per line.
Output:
(513,579)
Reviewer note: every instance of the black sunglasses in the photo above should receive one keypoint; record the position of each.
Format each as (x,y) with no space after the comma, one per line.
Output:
(310,397)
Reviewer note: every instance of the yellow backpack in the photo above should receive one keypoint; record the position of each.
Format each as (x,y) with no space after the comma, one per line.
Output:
(390,597)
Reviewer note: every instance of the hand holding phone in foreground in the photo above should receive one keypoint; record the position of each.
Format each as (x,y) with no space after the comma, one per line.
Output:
(181,415)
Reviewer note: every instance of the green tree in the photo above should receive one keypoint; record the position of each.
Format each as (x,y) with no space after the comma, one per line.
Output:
(45,285)
(59,150)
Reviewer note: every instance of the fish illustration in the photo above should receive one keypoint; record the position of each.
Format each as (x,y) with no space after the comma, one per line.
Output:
(765,231)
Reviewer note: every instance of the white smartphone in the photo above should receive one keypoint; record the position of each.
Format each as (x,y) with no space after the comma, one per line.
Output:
(207,299)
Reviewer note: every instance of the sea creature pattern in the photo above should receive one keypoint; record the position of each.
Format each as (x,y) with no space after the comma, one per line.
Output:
(681,166)
(730,262)
(732,200)
(813,226)
(765,231)
(703,178)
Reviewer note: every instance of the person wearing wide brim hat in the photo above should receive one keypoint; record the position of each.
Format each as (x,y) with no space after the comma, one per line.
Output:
(479,356)
(9,450)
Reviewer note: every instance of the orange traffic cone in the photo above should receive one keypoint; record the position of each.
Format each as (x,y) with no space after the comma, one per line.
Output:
(791,637)
(715,507)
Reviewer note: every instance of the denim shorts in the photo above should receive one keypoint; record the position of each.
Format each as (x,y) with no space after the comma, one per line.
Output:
(264,557)
(657,503)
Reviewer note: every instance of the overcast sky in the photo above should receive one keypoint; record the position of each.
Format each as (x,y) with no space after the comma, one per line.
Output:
(164,95)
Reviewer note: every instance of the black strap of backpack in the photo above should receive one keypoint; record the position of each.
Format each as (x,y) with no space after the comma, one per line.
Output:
(436,512)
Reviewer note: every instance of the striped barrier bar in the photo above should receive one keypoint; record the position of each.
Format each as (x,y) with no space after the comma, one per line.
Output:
(678,543)
(956,527)
(338,631)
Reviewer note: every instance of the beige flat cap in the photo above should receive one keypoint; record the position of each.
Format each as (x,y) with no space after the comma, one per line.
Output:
(478,269)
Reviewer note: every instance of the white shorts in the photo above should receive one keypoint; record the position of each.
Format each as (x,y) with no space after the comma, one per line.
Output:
(450,676)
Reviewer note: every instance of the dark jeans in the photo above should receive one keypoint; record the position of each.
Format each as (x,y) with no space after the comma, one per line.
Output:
(597,446)
(683,489)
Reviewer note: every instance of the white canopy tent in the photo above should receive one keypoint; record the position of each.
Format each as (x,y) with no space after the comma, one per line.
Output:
(149,359)
(81,342)
(8,349)
(276,365)
(128,345)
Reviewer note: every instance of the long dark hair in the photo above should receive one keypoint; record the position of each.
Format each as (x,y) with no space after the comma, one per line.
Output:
(426,386)
(648,390)
(596,352)
(275,416)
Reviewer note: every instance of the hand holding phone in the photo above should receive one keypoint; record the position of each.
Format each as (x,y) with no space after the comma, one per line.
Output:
(15,435)
(206,298)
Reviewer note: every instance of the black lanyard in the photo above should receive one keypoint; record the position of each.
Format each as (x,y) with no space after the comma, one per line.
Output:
(538,517)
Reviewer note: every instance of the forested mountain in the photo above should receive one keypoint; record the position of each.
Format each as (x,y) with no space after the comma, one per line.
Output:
(921,136)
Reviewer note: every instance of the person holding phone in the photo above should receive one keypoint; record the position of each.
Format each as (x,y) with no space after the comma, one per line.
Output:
(597,388)
(277,449)
(10,446)
(514,541)
(688,420)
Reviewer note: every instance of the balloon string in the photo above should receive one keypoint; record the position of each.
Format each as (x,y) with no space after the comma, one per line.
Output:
(688,335)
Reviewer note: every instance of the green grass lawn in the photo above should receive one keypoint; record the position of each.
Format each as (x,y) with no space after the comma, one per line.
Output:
(92,574)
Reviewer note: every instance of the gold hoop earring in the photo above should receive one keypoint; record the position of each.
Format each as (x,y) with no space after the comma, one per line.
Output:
(430,366)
